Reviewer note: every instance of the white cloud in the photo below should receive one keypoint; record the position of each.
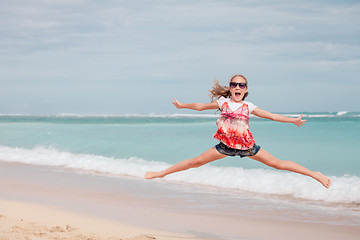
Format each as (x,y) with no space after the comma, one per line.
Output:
(183,42)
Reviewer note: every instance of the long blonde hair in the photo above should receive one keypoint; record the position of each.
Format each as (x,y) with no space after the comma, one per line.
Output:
(218,90)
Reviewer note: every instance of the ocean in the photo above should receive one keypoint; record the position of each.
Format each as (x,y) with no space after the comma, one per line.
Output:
(128,145)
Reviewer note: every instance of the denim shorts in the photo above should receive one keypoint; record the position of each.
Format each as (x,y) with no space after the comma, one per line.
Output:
(223,149)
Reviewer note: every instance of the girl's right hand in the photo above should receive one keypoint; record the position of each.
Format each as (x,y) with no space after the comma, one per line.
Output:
(177,104)
(299,122)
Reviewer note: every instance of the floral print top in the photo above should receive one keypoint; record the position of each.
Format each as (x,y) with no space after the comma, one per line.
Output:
(233,124)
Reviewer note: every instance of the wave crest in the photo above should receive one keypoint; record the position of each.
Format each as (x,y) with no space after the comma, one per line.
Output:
(344,189)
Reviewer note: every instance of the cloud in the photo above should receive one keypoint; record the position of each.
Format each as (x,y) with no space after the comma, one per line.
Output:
(87,44)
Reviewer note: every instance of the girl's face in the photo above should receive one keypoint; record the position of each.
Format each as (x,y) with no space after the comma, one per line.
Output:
(238,88)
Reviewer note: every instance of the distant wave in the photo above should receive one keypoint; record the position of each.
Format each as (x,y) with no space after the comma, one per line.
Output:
(177,115)
(341,113)
(125,115)
(344,189)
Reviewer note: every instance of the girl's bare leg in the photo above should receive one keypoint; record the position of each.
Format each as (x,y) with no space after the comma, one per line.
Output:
(266,158)
(208,156)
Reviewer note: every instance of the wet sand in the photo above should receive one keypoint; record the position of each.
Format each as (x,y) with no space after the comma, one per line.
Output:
(48,203)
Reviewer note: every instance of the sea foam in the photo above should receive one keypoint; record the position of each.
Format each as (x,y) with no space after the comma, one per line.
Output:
(344,189)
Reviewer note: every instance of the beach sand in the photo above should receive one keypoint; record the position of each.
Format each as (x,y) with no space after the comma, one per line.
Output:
(21,220)
(48,203)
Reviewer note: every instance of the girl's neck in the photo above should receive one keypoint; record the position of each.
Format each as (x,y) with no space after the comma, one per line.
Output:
(233,101)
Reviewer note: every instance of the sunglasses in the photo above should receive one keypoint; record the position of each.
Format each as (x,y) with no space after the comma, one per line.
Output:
(241,85)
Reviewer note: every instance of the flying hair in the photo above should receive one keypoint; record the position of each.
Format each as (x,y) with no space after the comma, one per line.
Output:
(218,90)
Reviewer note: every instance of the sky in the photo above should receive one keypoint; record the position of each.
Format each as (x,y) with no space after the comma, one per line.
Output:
(117,57)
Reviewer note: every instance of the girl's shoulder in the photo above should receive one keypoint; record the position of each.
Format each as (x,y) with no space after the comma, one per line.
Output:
(222,100)
(251,106)
(247,102)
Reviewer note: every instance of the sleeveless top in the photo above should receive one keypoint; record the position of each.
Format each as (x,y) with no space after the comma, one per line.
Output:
(233,124)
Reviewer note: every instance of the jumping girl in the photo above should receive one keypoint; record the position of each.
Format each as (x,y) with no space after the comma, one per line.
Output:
(233,132)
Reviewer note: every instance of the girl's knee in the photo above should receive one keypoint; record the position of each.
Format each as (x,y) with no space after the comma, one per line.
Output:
(279,164)
(206,157)
(284,164)
(196,162)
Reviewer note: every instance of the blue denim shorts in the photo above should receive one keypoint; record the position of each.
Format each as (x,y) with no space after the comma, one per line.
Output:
(223,149)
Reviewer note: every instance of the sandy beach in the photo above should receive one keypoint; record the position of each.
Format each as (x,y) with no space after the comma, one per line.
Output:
(47,203)
(19,220)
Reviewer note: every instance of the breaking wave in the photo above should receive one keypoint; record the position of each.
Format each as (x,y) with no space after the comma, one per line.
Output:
(345,189)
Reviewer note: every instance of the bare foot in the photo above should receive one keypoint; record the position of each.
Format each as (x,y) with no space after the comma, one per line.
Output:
(151,175)
(322,179)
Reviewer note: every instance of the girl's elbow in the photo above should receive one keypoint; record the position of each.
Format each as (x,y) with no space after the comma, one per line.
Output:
(273,118)
(199,107)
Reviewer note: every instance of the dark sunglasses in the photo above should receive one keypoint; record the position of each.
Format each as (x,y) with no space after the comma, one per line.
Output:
(241,85)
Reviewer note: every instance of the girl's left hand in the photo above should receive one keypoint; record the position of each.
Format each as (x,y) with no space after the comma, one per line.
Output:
(177,104)
(299,122)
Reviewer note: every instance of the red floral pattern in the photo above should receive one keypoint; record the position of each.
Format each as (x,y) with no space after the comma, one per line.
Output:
(233,127)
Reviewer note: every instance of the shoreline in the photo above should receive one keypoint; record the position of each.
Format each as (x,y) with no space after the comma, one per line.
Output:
(135,209)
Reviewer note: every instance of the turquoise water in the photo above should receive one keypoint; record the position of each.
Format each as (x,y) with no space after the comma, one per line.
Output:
(132,144)
(325,143)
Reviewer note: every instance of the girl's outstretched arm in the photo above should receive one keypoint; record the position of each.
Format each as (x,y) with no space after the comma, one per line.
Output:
(279,118)
(195,106)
